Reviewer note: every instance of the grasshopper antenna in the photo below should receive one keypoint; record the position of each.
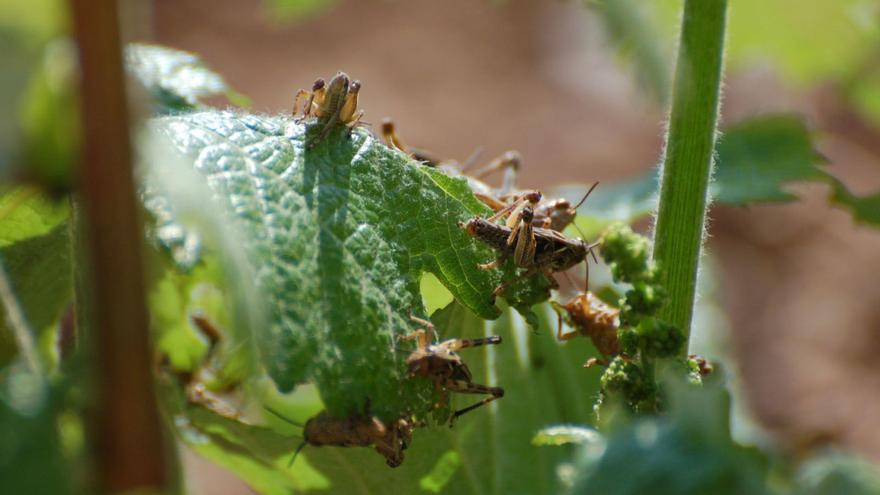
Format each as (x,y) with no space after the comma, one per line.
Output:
(295,454)
(586,195)
(471,160)
(282,418)
(294,423)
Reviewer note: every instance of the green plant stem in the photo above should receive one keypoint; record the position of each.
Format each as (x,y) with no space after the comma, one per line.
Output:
(128,438)
(687,165)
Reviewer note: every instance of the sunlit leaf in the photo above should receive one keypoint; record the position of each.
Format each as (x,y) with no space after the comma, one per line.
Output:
(176,80)
(563,434)
(35,252)
(337,237)
(805,43)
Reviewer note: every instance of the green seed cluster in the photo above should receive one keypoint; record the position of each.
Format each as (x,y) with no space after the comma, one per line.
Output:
(629,383)
(642,336)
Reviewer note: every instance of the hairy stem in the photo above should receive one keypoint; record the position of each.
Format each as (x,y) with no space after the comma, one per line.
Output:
(127,434)
(687,165)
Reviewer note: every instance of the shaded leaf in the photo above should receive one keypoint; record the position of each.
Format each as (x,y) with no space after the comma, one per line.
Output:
(758,157)
(625,201)
(756,160)
(488,451)
(631,29)
(689,452)
(864,209)
(836,472)
(49,119)
(30,454)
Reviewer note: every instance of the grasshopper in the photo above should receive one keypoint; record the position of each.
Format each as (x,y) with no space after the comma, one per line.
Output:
(442,365)
(333,104)
(536,249)
(591,318)
(390,439)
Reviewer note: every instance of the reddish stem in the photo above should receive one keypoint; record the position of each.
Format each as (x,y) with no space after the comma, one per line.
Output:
(129,438)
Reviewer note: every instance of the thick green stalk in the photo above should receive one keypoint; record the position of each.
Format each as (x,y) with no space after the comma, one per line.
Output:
(687,166)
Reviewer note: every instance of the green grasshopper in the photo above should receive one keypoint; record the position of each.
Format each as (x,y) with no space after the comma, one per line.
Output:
(333,104)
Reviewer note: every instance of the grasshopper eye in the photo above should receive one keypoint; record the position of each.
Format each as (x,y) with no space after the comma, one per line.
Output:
(318,84)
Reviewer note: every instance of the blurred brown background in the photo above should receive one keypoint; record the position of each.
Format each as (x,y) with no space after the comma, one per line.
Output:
(798,281)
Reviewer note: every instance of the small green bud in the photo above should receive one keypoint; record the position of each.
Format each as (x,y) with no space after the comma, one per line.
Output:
(659,339)
(629,341)
(625,377)
(626,253)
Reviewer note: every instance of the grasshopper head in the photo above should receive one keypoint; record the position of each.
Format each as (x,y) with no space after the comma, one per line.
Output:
(470,227)
(339,84)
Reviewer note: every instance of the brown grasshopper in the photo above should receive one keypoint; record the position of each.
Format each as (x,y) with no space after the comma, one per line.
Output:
(390,439)
(442,365)
(591,318)
(333,104)
(533,248)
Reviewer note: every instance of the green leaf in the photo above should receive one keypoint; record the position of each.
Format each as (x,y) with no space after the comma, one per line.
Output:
(563,434)
(760,156)
(35,252)
(337,237)
(488,451)
(297,10)
(632,31)
(26,212)
(176,80)
(689,452)
(49,118)
(864,209)
(806,45)
(31,457)
(625,201)
(836,472)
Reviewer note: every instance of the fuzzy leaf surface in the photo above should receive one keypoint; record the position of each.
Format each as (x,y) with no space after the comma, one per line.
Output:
(338,237)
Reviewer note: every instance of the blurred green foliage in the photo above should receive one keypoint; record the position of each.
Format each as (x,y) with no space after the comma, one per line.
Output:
(35,253)
(755,160)
(688,452)
(488,451)
(297,10)
(38,135)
